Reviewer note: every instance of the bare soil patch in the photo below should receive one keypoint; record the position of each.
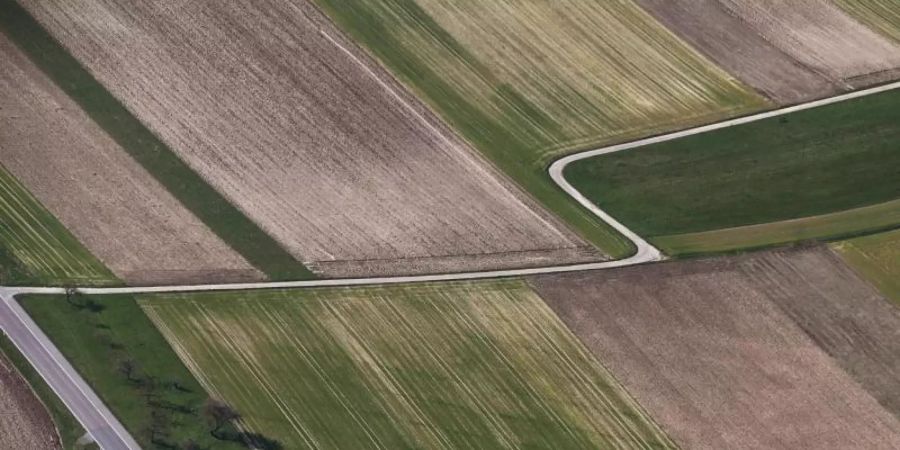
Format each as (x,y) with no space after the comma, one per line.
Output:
(707,348)
(789,50)
(264,102)
(106,199)
(24,423)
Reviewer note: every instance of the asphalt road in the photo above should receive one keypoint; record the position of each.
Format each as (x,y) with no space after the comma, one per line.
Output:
(111,435)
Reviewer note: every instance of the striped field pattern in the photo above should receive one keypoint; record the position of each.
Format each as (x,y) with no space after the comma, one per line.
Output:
(561,75)
(464,365)
(882,15)
(877,258)
(36,240)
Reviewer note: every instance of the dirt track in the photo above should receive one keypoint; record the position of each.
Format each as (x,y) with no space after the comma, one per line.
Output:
(24,423)
(114,207)
(789,50)
(303,138)
(706,347)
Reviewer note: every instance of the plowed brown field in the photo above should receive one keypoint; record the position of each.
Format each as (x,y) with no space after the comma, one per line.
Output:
(97,191)
(297,128)
(707,348)
(789,50)
(24,423)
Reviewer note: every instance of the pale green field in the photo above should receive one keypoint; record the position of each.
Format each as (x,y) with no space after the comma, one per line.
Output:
(38,245)
(826,226)
(877,257)
(881,15)
(467,365)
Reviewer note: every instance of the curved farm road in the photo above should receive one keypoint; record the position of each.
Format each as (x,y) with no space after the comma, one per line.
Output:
(109,434)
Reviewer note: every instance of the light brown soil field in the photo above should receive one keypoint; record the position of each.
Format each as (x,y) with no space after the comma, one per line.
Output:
(725,39)
(844,315)
(315,144)
(707,349)
(24,423)
(789,50)
(97,191)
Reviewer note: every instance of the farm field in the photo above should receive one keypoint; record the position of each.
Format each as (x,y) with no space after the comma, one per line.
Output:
(876,257)
(524,81)
(775,350)
(35,248)
(810,163)
(868,219)
(187,187)
(24,422)
(105,198)
(790,51)
(480,364)
(272,107)
(126,361)
(882,15)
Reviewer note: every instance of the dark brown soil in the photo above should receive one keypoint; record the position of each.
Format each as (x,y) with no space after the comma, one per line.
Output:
(24,422)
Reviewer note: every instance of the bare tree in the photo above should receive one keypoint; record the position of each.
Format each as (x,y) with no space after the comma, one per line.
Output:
(218,414)
(128,367)
(71,293)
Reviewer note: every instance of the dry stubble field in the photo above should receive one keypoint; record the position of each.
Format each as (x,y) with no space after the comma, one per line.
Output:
(262,101)
(734,352)
(789,50)
(464,365)
(117,210)
(24,422)
(876,257)
(882,15)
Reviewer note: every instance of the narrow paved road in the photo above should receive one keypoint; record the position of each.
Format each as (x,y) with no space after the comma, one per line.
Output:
(93,415)
(111,435)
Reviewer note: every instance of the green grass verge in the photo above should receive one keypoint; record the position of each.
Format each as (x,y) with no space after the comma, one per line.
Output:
(36,249)
(69,429)
(97,335)
(843,224)
(190,189)
(464,365)
(876,257)
(810,163)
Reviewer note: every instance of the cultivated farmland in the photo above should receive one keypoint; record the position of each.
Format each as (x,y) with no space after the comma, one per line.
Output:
(876,257)
(723,353)
(882,15)
(819,34)
(24,423)
(466,365)
(300,131)
(36,248)
(106,199)
(810,163)
(791,51)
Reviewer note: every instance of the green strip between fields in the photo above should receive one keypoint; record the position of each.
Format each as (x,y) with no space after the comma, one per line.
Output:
(502,147)
(223,218)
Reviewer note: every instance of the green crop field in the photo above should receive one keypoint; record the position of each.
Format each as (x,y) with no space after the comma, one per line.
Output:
(810,163)
(158,400)
(525,81)
(882,15)
(466,365)
(877,257)
(230,224)
(36,248)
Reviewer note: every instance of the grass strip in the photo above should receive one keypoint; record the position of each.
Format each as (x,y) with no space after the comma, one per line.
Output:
(122,356)
(507,149)
(810,163)
(223,218)
(839,225)
(68,427)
